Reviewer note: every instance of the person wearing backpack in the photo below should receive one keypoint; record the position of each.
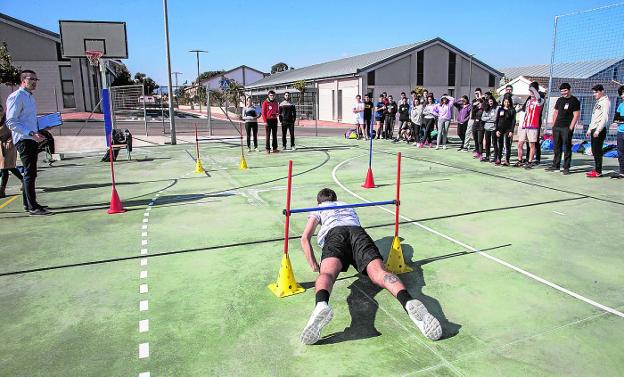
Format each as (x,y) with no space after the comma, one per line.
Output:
(287,117)
(566,114)
(597,130)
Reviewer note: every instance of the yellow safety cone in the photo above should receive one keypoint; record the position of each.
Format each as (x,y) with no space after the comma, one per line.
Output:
(243,163)
(286,284)
(199,169)
(396,262)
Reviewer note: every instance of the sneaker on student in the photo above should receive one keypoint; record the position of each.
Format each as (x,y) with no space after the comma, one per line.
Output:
(551,168)
(256,149)
(276,150)
(593,174)
(565,172)
(437,147)
(248,150)
(529,165)
(426,323)
(320,317)
(444,147)
(39,212)
(294,148)
(430,145)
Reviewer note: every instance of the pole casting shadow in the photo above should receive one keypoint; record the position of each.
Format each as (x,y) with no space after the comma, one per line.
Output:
(363,306)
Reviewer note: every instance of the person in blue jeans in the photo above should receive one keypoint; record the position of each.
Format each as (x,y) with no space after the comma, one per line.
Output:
(619,120)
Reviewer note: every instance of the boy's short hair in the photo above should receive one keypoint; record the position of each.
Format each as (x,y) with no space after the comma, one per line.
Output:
(598,88)
(565,85)
(326,195)
(271,92)
(509,86)
(25,73)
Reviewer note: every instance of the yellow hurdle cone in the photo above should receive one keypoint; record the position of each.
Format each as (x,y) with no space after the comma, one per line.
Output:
(199,169)
(286,284)
(396,262)
(243,163)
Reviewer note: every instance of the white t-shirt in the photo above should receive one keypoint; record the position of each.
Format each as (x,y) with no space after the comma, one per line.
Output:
(359,116)
(332,218)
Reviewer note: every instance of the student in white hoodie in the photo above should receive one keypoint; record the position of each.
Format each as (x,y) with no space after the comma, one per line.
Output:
(598,128)
(416,116)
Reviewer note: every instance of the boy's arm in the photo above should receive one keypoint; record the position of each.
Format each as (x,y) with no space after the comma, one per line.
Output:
(306,245)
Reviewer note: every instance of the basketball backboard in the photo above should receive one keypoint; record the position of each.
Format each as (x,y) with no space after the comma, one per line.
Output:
(106,36)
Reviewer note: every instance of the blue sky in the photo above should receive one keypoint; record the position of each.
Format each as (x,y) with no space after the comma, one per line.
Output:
(300,33)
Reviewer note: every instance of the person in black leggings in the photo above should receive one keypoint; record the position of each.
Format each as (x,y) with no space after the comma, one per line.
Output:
(477,129)
(504,130)
(250,116)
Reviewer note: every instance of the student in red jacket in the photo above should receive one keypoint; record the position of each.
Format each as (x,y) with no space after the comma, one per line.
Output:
(270,111)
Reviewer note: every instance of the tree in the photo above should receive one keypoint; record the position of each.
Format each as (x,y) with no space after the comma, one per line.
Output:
(233,92)
(419,91)
(9,74)
(148,83)
(279,67)
(300,86)
(123,76)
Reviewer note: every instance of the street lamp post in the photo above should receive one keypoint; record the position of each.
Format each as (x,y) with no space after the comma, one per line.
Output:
(197,52)
(470,77)
(176,84)
(169,88)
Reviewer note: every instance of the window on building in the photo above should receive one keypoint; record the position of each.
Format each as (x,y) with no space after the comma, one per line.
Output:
(420,68)
(451,68)
(615,73)
(339,105)
(451,92)
(492,81)
(67,87)
(371,78)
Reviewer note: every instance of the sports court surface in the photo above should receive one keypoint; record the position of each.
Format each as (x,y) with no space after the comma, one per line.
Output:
(523,268)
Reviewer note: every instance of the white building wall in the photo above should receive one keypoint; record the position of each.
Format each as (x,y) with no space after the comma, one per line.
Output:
(326,107)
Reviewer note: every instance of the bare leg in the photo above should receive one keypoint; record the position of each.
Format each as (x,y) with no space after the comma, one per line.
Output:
(322,314)
(520,150)
(330,268)
(531,151)
(383,278)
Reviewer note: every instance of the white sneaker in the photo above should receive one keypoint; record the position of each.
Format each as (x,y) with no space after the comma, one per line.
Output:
(426,323)
(248,150)
(320,317)
(255,149)
(294,148)
(444,147)
(437,148)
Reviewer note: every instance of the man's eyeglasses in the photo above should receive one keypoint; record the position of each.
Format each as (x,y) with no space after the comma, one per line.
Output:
(32,79)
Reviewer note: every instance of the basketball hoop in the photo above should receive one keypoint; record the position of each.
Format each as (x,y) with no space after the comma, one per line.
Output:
(94,57)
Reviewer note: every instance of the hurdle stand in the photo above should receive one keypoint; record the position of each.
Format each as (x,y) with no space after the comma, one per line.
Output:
(396,262)
(199,169)
(243,162)
(286,284)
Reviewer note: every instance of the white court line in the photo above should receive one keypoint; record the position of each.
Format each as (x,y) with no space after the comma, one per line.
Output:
(144,325)
(143,274)
(559,213)
(144,242)
(143,305)
(144,374)
(144,234)
(145,220)
(482,253)
(143,288)
(143,251)
(143,261)
(143,350)
(148,209)
(146,214)
(144,227)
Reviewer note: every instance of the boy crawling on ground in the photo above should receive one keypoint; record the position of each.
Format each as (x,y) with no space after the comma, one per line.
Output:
(345,243)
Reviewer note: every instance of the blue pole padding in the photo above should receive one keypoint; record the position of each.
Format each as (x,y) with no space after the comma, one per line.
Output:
(108,124)
(329,208)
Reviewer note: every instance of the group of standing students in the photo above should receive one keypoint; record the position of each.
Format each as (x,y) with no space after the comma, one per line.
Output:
(491,122)
(271,112)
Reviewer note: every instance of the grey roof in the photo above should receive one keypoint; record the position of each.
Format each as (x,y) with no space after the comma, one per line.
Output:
(575,70)
(346,66)
(340,67)
(30,26)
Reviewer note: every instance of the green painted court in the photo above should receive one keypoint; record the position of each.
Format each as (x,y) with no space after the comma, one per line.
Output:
(523,268)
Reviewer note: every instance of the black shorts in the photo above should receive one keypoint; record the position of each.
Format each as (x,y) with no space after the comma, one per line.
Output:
(352,245)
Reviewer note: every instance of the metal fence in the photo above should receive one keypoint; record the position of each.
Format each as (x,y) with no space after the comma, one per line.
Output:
(129,103)
(588,49)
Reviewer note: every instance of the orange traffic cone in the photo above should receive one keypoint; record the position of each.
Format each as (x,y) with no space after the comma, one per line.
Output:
(369,182)
(115,204)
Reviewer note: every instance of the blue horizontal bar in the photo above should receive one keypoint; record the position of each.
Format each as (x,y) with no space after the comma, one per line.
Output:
(327,208)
